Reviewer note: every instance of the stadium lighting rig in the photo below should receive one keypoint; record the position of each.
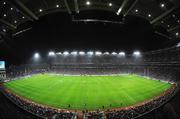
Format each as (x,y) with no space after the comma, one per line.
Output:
(136,53)
(90,53)
(57,6)
(4,30)
(88,3)
(81,53)
(106,53)
(51,53)
(136,10)
(162,5)
(110,4)
(36,55)
(98,53)
(65,53)
(74,53)
(177,33)
(114,53)
(58,53)
(122,54)
(40,10)
(118,12)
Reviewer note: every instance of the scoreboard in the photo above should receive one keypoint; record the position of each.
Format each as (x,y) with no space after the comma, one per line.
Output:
(2,65)
(2,71)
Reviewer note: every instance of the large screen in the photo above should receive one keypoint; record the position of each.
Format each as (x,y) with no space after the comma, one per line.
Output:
(2,65)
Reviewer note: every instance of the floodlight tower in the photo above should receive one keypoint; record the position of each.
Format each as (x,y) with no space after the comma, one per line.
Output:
(136,54)
(81,53)
(98,53)
(88,3)
(90,53)
(65,53)
(114,53)
(36,56)
(122,54)
(74,53)
(51,53)
(58,53)
(106,53)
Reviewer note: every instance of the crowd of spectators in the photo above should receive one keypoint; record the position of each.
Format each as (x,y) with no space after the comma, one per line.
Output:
(157,72)
(25,70)
(144,108)
(38,110)
(133,111)
(166,74)
(168,55)
(94,115)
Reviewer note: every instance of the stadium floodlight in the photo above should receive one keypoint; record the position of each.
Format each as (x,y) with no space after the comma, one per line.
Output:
(58,53)
(65,53)
(136,53)
(114,53)
(74,53)
(122,53)
(136,10)
(51,53)
(119,11)
(90,53)
(98,53)
(57,6)
(177,33)
(110,4)
(178,45)
(88,3)
(81,53)
(4,30)
(106,53)
(36,55)
(162,5)
(40,10)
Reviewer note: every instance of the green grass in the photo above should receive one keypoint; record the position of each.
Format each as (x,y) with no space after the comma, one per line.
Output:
(87,92)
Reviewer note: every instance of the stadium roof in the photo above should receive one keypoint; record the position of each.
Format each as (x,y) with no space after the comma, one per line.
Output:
(160,13)
(62,25)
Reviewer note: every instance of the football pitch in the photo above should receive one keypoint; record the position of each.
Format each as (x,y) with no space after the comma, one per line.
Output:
(87,92)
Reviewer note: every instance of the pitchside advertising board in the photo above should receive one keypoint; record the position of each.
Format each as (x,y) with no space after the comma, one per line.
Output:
(2,65)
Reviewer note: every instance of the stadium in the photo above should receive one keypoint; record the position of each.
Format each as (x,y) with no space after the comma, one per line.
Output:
(89,59)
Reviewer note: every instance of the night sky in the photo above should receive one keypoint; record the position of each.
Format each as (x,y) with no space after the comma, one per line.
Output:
(57,32)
